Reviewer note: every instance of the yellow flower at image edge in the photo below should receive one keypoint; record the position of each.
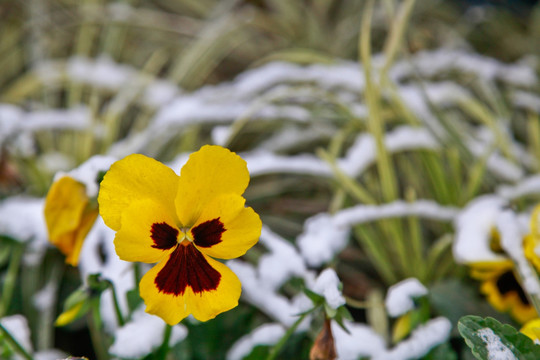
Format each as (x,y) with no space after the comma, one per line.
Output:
(182,223)
(532,330)
(69,217)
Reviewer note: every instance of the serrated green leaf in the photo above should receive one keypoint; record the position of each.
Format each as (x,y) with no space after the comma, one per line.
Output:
(475,330)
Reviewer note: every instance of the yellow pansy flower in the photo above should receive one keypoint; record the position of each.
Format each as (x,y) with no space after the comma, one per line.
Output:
(69,216)
(503,291)
(182,223)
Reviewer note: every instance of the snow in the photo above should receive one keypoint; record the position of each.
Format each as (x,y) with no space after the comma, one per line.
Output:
(283,261)
(142,335)
(87,173)
(101,72)
(363,152)
(400,297)
(17,326)
(361,341)
(50,354)
(21,218)
(261,163)
(366,213)
(14,120)
(321,239)
(526,187)
(495,348)
(266,334)
(327,285)
(260,284)
(420,342)
(45,298)
(98,256)
(473,230)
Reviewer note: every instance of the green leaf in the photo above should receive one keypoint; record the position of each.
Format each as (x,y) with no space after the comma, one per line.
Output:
(487,336)
(314,297)
(133,299)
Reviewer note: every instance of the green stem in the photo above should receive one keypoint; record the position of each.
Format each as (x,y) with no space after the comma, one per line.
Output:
(277,348)
(94,325)
(11,278)
(164,348)
(117,309)
(13,342)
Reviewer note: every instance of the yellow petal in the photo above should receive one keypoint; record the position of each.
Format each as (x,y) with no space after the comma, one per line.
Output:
(69,217)
(240,228)
(69,316)
(64,206)
(209,172)
(148,232)
(135,177)
(172,290)
(87,221)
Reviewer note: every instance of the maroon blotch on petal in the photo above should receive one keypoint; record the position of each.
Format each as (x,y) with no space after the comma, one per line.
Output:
(187,267)
(208,233)
(164,236)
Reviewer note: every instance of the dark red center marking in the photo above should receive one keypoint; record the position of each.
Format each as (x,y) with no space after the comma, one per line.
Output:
(187,267)
(208,233)
(164,236)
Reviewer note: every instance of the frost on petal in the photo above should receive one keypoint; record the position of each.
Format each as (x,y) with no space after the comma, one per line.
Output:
(266,334)
(496,350)
(17,326)
(321,239)
(327,284)
(143,335)
(399,298)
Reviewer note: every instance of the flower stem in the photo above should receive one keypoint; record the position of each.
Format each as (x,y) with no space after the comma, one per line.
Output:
(94,324)
(117,309)
(164,348)
(13,342)
(277,348)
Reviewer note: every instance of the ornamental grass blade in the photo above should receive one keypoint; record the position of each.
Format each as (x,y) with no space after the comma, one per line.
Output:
(489,339)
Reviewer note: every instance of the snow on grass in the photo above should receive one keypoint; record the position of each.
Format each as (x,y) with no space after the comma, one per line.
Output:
(321,239)
(366,213)
(266,334)
(261,283)
(526,187)
(400,296)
